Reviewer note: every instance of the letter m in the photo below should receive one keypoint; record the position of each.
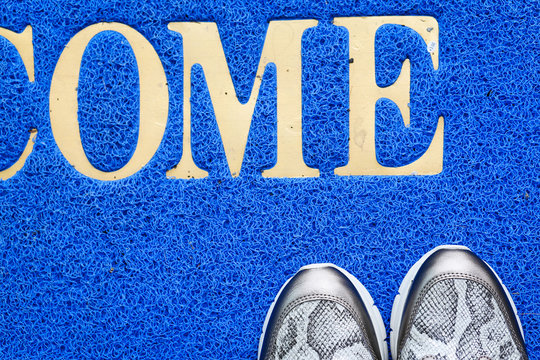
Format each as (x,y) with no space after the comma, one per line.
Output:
(282,46)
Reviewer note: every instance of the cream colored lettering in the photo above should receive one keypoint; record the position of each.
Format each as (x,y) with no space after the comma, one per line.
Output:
(364,93)
(154,101)
(282,46)
(23,44)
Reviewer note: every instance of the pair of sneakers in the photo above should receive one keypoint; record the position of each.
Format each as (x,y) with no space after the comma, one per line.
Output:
(451,305)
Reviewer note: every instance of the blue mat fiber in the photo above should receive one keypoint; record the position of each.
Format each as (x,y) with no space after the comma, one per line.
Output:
(154,268)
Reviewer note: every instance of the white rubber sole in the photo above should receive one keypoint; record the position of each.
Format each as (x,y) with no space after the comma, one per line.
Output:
(373,311)
(405,287)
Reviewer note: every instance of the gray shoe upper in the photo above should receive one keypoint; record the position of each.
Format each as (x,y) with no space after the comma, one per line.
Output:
(458,309)
(319,315)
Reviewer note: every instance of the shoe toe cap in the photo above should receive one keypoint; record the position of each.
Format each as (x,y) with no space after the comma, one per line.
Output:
(319,282)
(456,263)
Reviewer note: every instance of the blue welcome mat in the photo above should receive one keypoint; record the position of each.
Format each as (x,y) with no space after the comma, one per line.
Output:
(162,263)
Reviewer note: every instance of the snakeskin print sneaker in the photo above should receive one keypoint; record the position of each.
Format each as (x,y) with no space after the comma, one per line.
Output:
(452,305)
(323,313)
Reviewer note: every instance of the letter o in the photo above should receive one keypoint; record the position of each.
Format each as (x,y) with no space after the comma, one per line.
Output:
(63,104)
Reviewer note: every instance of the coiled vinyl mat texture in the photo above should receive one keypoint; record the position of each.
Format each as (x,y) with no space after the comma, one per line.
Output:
(154,268)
